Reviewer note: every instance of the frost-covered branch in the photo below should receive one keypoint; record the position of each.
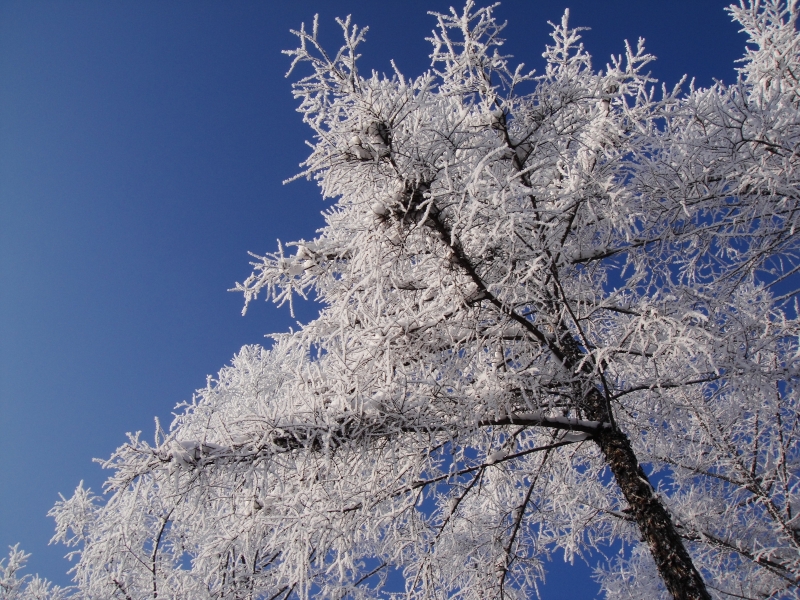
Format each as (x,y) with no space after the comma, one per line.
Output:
(532,296)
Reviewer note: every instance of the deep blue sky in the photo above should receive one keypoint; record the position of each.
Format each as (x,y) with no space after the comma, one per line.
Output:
(142,149)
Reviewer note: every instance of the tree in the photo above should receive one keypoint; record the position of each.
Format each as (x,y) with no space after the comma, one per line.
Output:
(531,286)
(27,587)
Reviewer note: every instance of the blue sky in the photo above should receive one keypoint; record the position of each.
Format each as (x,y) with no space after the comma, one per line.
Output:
(142,149)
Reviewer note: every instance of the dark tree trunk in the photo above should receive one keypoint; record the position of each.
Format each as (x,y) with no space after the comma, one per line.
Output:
(655,523)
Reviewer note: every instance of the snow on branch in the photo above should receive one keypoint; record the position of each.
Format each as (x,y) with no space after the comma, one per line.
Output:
(533,296)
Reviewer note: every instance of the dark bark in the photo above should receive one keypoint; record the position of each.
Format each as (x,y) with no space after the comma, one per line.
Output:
(655,523)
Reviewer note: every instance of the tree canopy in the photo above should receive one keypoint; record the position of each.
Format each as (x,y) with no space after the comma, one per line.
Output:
(532,285)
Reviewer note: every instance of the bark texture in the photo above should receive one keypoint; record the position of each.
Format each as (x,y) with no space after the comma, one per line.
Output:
(674,563)
(655,523)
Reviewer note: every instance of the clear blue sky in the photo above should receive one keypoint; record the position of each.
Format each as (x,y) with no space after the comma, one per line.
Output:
(142,148)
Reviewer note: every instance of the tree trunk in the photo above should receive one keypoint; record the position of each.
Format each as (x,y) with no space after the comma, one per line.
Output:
(655,523)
